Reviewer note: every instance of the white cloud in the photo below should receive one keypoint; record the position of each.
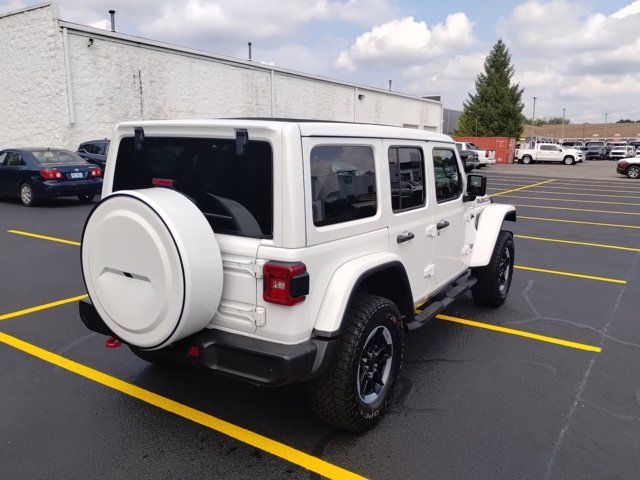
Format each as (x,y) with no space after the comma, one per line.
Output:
(452,78)
(572,57)
(189,21)
(103,24)
(552,28)
(406,42)
(630,9)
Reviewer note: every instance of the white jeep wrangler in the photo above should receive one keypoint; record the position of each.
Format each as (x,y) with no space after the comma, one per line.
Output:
(281,251)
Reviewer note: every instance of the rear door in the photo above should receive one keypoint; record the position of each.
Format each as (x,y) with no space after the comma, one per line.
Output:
(448,213)
(411,231)
(544,153)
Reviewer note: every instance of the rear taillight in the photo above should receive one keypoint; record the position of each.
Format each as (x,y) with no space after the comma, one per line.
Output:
(285,283)
(95,172)
(50,174)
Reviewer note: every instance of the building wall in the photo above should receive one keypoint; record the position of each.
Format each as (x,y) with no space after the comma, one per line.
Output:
(450,120)
(115,78)
(33,94)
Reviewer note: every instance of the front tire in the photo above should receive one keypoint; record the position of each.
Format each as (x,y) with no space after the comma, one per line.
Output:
(633,172)
(494,280)
(27,195)
(569,161)
(355,391)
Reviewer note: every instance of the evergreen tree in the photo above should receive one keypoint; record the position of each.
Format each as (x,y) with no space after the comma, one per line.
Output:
(496,107)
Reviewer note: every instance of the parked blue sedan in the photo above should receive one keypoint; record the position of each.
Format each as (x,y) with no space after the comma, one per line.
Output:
(33,174)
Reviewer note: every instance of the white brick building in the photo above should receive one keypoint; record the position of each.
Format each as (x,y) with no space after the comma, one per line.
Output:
(64,83)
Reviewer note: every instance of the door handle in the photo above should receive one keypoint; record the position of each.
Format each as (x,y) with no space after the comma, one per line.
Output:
(405,237)
(442,224)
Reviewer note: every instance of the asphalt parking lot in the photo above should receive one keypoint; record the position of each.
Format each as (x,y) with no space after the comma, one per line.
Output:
(547,387)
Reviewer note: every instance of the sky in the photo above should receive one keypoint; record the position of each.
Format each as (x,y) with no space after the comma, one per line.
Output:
(580,55)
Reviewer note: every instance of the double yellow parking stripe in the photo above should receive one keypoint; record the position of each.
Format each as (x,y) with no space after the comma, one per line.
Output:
(243,435)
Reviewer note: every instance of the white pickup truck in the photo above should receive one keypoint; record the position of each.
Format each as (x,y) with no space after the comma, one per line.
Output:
(548,152)
(485,157)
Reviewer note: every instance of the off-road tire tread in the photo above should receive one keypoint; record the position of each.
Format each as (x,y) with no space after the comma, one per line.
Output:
(485,291)
(332,397)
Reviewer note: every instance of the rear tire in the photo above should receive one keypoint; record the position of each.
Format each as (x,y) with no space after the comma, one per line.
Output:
(27,195)
(527,160)
(633,172)
(358,385)
(494,280)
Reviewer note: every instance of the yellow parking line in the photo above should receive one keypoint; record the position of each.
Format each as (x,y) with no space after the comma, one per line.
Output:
(632,188)
(573,181)
(290,454)
(573,242)
(521,333)
(574,200)
(570,274)
(521,188)
(579,194)
(576,209)
(589,189)
(578,222)
(37,308)
(44,237)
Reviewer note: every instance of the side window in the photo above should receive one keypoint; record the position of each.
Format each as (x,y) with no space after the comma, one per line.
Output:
(3,157)
(13,160)
(546,147)
(447,175)
(406,172)
(343,183)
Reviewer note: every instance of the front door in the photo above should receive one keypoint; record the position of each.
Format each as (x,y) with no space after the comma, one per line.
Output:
(409,233)
(448,214)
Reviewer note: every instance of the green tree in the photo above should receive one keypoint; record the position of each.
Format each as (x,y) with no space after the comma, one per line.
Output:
(547,121)
(495,109)
(625,120)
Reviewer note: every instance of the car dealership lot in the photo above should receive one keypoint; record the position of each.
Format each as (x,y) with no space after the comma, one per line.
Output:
(553,392)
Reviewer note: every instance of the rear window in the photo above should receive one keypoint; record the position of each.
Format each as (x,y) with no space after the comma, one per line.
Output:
(234,193)
(56,157)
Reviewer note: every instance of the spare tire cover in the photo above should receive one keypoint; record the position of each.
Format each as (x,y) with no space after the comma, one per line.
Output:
(152,266)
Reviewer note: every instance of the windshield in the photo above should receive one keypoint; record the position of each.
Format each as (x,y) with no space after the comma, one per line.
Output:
(234,193)
(473,146)
(57,157)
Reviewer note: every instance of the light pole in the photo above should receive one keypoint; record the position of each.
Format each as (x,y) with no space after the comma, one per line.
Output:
(605,126)
(562,130)
(533,119)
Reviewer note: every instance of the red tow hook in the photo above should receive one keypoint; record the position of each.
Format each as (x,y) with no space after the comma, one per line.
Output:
(112,342)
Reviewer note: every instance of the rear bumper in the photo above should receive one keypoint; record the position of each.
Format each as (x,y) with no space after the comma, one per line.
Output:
(68,188)
(256,361)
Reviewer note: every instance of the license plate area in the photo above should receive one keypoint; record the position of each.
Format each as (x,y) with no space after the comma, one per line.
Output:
(76,175)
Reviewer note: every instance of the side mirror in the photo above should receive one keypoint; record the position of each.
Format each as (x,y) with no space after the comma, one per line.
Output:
(476,187)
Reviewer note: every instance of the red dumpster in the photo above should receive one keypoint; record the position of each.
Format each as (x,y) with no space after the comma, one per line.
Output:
(503,146)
